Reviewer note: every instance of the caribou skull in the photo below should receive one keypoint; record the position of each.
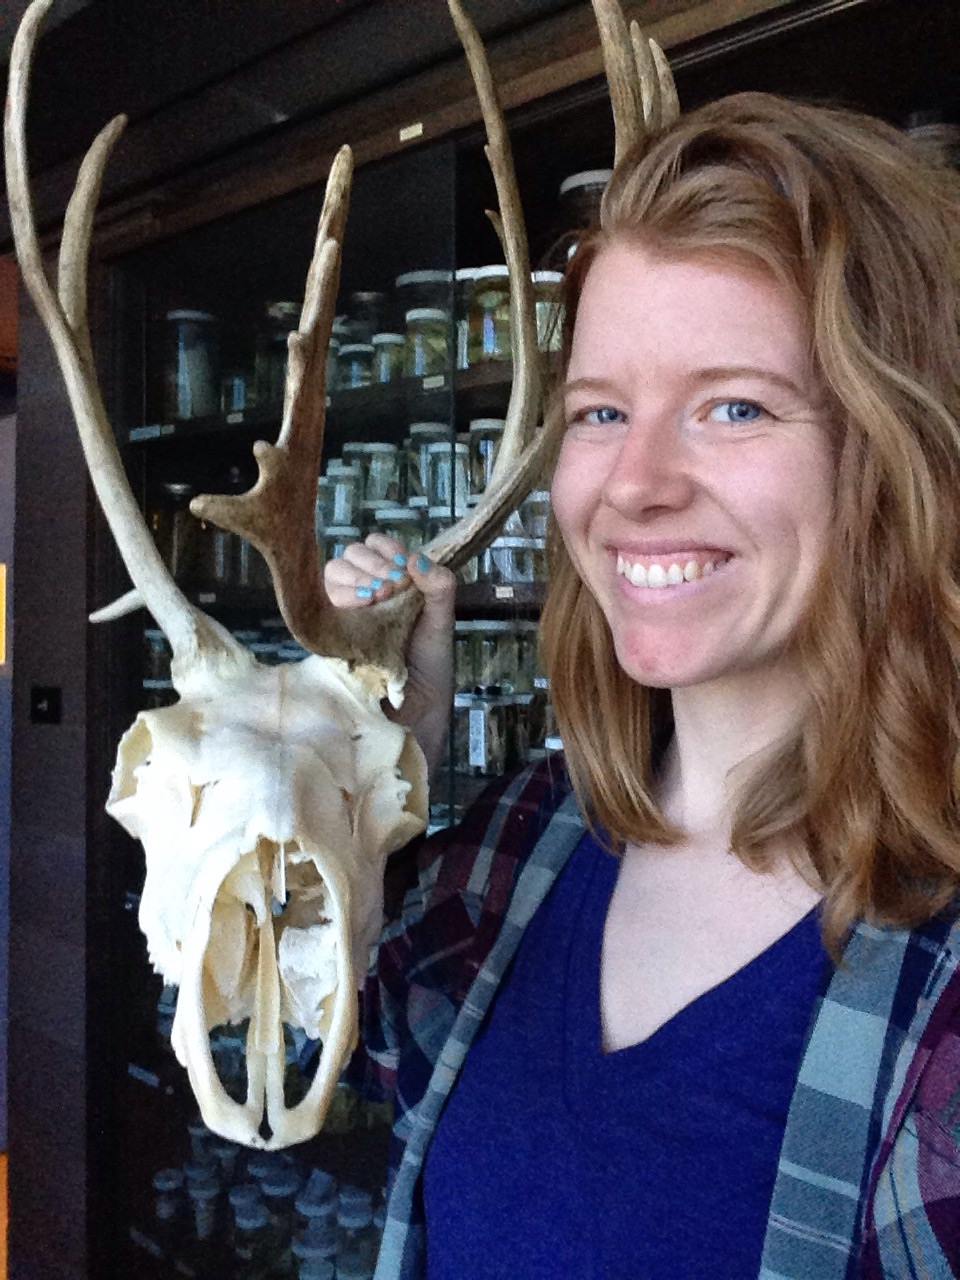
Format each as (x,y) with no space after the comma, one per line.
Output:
(267,799)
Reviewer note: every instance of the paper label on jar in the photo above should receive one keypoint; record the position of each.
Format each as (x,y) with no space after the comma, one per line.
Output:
(478,738)
(434,382)
(503,593)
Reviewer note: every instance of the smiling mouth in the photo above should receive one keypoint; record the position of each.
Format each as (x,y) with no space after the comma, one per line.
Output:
(664,575)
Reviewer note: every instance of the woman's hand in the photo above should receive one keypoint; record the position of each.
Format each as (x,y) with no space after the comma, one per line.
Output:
(375,569)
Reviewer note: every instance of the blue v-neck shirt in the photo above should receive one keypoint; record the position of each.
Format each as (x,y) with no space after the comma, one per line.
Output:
(657,1162)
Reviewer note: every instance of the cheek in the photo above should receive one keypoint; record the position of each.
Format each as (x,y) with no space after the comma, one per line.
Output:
(575,490)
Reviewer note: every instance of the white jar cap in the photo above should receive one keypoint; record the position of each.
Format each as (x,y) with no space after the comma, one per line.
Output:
(190,315)
(465,273)
(487,424)
(538,495)
(421,428)
(445,445)
(588,178)
(423,277)
(427,313)
(546,277)
(353,348)
(380,339)
(497,271)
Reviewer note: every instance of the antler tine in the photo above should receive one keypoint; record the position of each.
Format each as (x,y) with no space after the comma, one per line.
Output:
(623,76)
(65,319)
(518,462)
(669,98)
(642,91)
(277,514)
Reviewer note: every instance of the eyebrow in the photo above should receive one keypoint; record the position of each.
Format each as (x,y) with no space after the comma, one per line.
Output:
(714,373)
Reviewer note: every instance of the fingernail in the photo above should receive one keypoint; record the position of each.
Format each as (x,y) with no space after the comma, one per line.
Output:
(364,593)
(376,584)
(423,564)
(396,575)
(400,561)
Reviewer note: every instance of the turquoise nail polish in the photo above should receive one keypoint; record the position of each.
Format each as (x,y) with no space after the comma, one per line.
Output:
(364,593)
(376,584)
(400,561)
(423,564)
(396,575)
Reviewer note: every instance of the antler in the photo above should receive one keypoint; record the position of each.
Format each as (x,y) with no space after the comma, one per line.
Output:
(519,459)
(642,91)
(64,316)
(277,514)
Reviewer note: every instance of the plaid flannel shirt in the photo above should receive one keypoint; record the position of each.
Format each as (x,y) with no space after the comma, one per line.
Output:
(868,1182)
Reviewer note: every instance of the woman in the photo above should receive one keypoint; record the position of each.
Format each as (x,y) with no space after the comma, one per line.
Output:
(733,1047)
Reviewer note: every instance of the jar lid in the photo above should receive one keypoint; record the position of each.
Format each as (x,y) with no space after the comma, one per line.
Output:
(190,315)
(340,325)
(178,488)
(363,296)
(465,273)
(336,469)
(523,624)
(588,178)
(487,424)
(541,682)
(418,502)
(398,515)
(546,277)
(496,271)
(445,446)
(538,495)
(250,1217)
(471,625)
(168,1180)
(423,277)
(538,544)
(352,348)
(372,446)
(244,1193)
(443,513)
(427,313)
(512,542)
(553,744)
(387,339)
(461,700)
(343,531)
(493,624)
(421,428)
(283,310)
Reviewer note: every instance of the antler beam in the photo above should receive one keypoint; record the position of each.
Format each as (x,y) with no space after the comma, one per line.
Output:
(64,316)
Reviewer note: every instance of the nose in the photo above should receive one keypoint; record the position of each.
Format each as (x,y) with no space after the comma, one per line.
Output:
(652,468)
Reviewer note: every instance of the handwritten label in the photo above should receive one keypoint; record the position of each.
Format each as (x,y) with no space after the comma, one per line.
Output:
(411,131)
(435,382)
(503,593)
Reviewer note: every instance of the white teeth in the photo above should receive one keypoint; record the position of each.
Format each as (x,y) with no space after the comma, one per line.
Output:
(657,576)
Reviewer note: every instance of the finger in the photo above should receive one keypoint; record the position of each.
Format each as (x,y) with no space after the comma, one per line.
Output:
(439,588)
(341,580)
(373,576)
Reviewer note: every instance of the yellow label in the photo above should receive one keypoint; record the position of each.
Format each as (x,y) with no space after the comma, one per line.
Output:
(3,614)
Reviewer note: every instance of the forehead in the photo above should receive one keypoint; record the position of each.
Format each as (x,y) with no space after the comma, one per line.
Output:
(644,309)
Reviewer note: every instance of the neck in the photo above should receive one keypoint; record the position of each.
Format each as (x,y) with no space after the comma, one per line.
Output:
(721,734)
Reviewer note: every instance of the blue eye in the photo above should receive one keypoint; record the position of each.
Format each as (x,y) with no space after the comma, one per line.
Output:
(603,416)
(739,410)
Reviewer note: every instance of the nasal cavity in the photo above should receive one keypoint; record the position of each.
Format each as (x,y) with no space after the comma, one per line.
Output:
(265,1131)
